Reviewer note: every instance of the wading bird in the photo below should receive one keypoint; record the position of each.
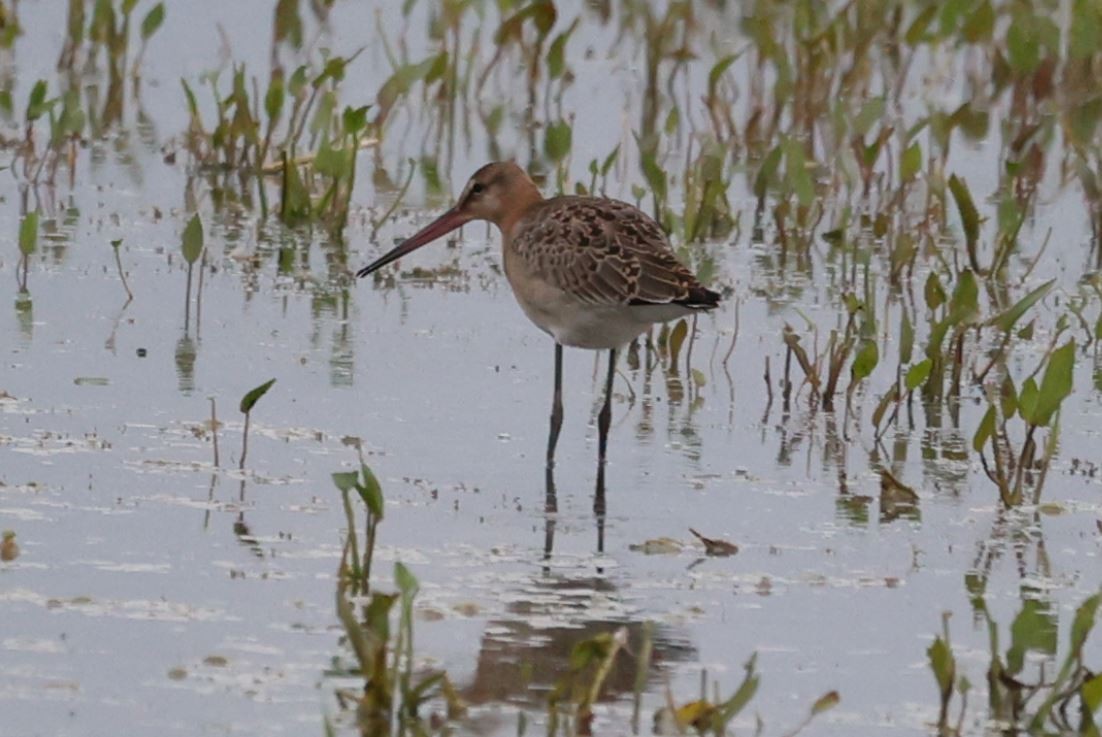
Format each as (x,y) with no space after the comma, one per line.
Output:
(588,271)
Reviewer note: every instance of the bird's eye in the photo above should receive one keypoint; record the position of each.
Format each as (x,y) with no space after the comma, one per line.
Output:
(478,188)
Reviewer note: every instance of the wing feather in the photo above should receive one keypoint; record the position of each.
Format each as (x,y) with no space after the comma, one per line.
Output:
(605,252)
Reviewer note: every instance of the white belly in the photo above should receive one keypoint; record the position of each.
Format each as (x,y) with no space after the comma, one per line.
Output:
(580,325)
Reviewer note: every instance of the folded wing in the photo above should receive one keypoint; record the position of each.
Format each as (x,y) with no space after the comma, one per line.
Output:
(606,252)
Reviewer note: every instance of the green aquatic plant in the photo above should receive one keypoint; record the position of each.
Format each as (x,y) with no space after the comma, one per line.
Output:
(191,248)
(9,24)
(41,156)
(247,403)
(256,138)
(393,694)
(1037,406)
(368,489)
(591,661)
(713,717)
(115,246)
(28,244)
(853,345)
(9,548)
(1064,702)
(944,666)
(105,34)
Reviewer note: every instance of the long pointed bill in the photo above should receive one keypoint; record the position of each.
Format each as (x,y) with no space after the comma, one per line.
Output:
(442,225)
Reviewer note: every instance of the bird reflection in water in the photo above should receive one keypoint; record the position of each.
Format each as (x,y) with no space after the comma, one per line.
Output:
(524,655)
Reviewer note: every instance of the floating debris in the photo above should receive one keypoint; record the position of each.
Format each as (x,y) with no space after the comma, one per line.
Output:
(715,546)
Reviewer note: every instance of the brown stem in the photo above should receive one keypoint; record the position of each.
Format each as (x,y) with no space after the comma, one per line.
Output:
(244,443)
(214,430)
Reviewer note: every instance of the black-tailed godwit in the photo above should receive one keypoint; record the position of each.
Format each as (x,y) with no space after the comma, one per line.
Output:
(590,272)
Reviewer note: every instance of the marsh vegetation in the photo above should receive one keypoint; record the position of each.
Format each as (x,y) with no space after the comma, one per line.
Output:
(884,443)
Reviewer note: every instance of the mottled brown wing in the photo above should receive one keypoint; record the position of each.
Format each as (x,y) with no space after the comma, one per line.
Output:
(606,252)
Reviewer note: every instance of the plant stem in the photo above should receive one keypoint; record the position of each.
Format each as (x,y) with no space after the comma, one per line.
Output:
(214,431)
(244,443)
(187,300)
(122,275)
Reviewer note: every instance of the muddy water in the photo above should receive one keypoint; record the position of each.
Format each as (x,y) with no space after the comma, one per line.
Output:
(157,593)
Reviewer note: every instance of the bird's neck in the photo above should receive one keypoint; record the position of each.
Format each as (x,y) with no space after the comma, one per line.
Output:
(522,198)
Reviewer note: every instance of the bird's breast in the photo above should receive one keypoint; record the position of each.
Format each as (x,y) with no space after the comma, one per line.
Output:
(566,318)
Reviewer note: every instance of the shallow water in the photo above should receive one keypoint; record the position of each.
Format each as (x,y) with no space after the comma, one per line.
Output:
(156,593)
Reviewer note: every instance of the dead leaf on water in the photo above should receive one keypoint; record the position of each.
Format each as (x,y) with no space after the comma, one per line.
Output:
(658,546)
(430,615)
(715,546)
(897,500)
(467,609)
(73,601)
(9,549)
(895,490)
(696,714)
(1051,509)
(827,701)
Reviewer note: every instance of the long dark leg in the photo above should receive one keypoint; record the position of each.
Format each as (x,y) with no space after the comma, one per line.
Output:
(550,514)
(600,508)
(556,409)
(605,418)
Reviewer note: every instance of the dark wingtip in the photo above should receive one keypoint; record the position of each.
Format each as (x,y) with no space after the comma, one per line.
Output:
(699,298)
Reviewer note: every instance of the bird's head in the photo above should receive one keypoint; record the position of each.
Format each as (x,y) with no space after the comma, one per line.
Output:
(499,193)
